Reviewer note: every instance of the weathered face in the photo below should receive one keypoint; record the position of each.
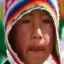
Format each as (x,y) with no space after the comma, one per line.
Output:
(34,37)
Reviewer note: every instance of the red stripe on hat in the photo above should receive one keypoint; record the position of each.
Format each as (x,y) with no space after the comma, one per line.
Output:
(8,3)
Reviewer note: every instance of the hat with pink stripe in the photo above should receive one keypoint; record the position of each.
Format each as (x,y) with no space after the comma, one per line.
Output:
(15,9)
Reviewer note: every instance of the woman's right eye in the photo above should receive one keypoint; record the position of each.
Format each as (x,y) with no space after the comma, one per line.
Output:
(46,21)
(26,21)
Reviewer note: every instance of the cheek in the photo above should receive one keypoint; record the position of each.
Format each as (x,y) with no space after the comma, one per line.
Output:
(48,34)
(49,42)
(23,37)
(22,40)
(49,37)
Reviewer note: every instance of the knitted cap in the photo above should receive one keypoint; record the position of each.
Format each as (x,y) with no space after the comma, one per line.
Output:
(15,9)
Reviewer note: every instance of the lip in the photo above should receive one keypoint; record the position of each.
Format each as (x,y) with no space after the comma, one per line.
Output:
(36,50)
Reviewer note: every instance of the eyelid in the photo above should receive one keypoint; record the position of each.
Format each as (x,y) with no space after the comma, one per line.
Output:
(26,21)
(46,21)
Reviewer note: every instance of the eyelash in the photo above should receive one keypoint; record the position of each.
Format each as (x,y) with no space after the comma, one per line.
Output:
(26,21)
(46,21)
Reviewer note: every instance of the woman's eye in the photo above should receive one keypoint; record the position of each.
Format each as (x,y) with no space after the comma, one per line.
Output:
(26,21)
(46,21)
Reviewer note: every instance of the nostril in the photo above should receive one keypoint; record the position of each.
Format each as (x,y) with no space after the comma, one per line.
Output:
(40,37)
(37,37)
(37,34)
(34,37)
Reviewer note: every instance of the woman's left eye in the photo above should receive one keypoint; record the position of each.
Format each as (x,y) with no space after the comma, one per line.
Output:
(46,21)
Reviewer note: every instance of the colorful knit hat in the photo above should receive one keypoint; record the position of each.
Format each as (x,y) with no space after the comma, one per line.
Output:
(15,9)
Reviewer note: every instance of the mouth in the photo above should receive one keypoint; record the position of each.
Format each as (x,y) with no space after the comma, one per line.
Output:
(36,50)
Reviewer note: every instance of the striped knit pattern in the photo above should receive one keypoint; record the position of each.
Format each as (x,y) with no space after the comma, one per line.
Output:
(19,7)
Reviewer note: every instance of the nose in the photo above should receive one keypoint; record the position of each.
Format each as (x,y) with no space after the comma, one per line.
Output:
(37,34)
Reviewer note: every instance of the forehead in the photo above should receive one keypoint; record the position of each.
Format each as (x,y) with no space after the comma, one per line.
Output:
(38,12)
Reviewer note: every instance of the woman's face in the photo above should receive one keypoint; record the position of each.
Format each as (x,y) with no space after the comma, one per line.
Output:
(34,37)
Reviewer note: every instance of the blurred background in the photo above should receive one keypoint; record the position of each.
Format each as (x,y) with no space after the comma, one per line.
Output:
(61,28)
(60,31)
(2,40)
